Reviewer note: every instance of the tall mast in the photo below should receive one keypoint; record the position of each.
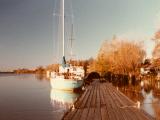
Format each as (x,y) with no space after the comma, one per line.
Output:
(63,27)
(71,40)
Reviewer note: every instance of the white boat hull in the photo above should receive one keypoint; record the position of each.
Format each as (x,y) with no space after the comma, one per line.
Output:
(66,84)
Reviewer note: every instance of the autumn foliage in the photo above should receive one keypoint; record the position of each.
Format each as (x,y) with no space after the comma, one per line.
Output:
(119,57)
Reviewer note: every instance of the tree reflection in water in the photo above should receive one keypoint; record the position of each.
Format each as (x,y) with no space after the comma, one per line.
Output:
(146,90)
(41,77)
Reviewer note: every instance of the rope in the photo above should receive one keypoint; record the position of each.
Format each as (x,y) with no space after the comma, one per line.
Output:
(137,105)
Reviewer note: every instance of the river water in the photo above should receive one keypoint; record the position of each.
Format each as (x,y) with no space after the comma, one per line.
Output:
(145,91)
(30,97)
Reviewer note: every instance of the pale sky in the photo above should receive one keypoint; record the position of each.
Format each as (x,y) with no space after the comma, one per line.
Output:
(26,28)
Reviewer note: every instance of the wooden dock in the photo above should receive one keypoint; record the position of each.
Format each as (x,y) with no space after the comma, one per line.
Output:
(102,101)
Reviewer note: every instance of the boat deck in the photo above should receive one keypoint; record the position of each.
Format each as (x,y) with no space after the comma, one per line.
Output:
(102,101)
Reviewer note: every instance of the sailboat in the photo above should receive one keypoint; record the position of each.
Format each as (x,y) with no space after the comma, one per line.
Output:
(69,77)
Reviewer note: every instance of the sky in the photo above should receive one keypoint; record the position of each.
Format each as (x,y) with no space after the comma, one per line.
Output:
(27,26)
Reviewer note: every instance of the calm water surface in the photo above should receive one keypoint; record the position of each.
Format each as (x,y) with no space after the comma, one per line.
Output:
(30,97)
(147,91)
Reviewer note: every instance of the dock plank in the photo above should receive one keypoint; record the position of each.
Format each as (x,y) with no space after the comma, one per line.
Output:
(83,98)
(104,113)
(88,103)
(93,99)
(102,101)
(84,114)
(91,114)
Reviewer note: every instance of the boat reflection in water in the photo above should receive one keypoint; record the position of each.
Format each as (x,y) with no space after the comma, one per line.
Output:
(62,100)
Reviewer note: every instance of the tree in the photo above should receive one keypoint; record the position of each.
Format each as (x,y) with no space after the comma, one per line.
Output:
(53,67)
(40,70)
(156,51)
(157,36)
(119,56)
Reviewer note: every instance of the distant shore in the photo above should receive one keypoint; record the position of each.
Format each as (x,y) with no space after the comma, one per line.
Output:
(7,72)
